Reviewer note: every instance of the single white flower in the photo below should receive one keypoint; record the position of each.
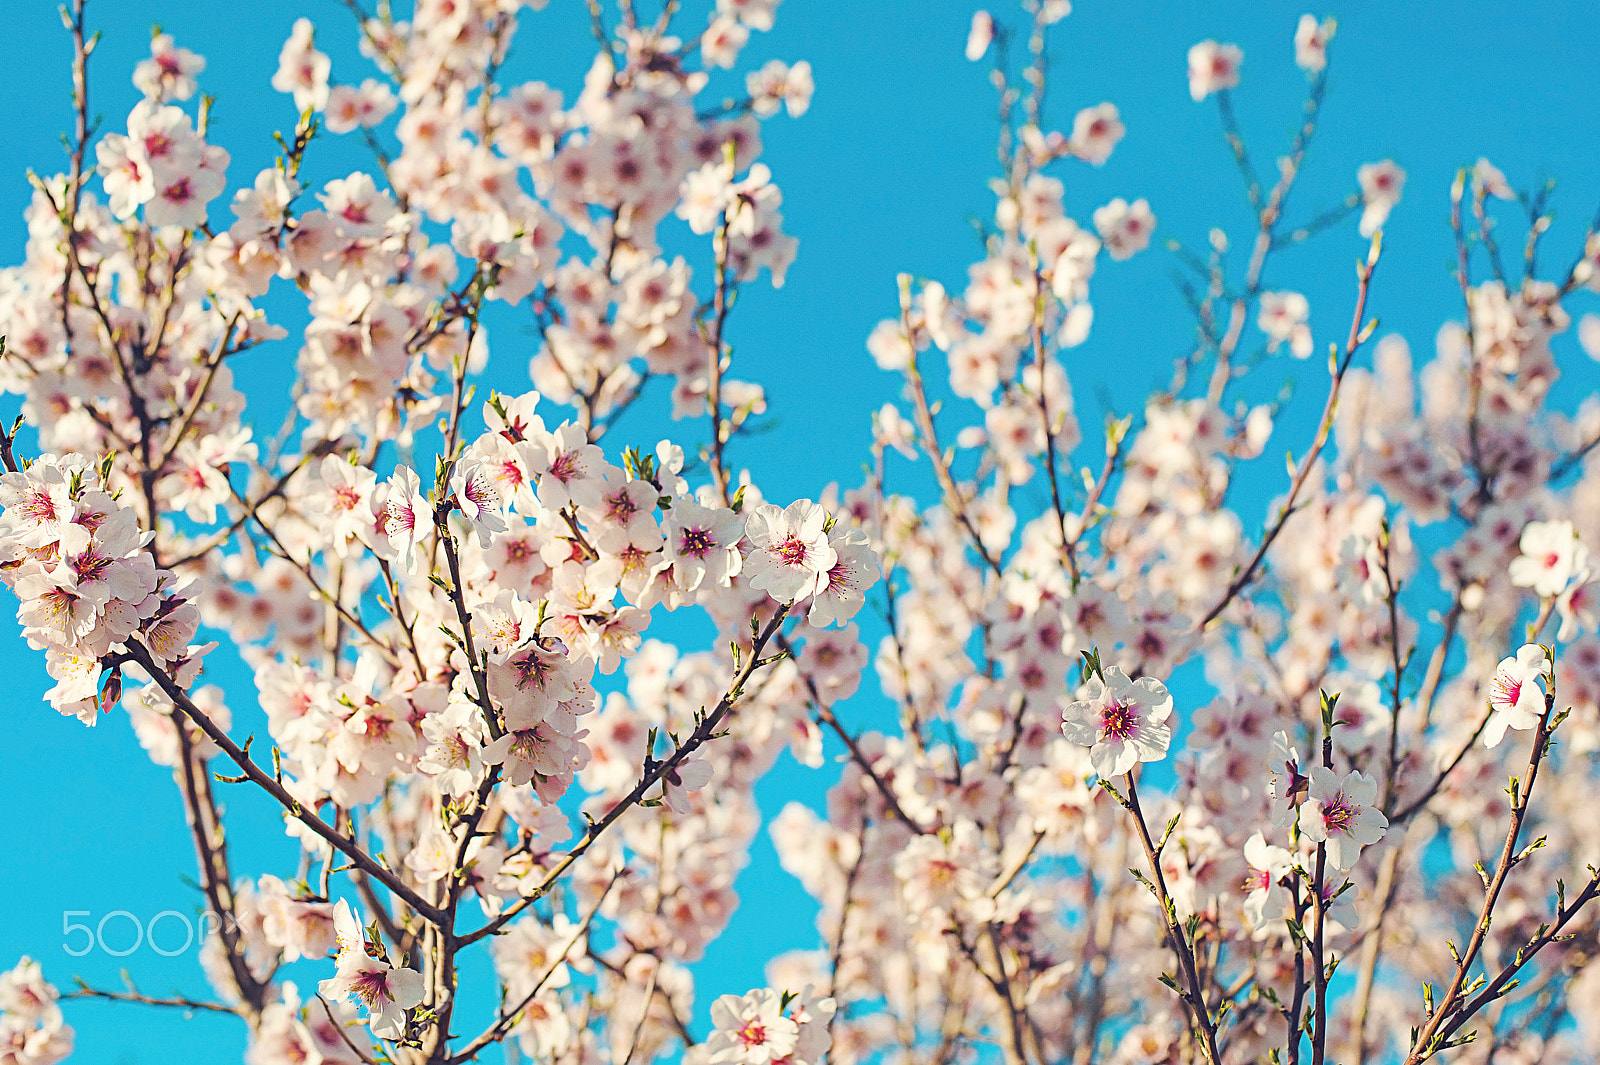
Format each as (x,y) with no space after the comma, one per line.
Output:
(1212,68)
(1551,556)
(1288,784)
(479,502)
(1311,43)
(1268,898)
(1516,699)
(409,516)
(750,1030)
(1122,722)
(1340,813)
(1283,318)
(691,774)
(790,554)
(385,991)
(1381,183)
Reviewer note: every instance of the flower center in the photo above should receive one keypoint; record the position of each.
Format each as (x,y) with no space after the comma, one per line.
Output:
(372,988)
(482,496)
(39,506)
(620,509)
(696,542)
(401,517)
(530,668)
(565,466)
(1507,689)
(90,567)
(1339,814)
(791,551)
(1119,721)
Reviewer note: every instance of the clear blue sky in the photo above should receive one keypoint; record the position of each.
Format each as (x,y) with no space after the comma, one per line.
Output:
(879,177)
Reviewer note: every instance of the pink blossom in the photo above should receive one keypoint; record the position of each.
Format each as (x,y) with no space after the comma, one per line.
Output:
(1125,229)
(302,70)
(1551,555)
(1381,184)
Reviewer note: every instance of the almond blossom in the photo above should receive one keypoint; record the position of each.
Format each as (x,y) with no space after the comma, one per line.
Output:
(687,776)
(750,1030)
(791,556)
(1095,132)
(31,1028)
(1283,318)
(424,651)
(1213,68)
(1516,698)
(854,571)
(302,70)
(343,501)
(1269,866)
(1311,43)
(702,545)
(1340,813)
(1551,556)
(409,516)
(1125,229)
(170,72)
(1381,184)
(1121,721)
(383,990)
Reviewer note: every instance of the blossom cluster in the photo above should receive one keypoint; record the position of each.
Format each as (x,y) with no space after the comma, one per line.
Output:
(479,743)
(32,1031)
(87,582)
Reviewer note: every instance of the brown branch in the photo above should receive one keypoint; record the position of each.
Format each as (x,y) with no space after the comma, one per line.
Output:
(1433,1037)
(714,342)
(930,439)
(1501,984)
(85,991)
(224,535)
(508,1017)
(1044,417)
(137,652)
(653,774)
(825,715)
(1358,335)
(211,855)
(331,598)
(1268,215)
(1194,998)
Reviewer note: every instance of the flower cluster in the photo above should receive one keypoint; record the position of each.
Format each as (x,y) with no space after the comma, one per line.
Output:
(87,581)
(31,1029)
(487,755)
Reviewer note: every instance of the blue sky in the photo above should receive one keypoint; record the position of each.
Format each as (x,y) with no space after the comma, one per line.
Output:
(881,176)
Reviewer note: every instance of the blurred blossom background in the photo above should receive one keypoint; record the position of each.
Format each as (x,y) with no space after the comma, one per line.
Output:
(883,174)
